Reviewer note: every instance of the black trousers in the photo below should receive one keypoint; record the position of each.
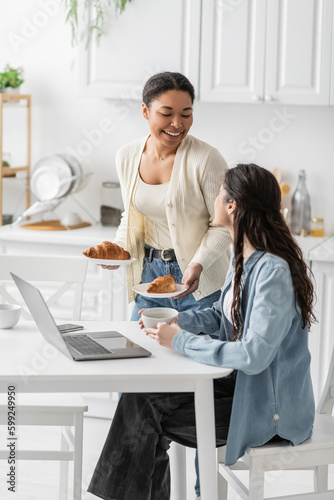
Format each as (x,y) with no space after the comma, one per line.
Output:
(134,464)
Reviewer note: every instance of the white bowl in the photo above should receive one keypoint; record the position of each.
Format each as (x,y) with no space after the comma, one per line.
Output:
(9,315)
(71,219)
(151,317)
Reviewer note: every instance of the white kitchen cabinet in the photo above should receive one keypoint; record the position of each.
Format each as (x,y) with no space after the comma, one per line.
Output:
(148,37)
(322,333)
(332,65)
(275,51)
(298,57)
(232,51)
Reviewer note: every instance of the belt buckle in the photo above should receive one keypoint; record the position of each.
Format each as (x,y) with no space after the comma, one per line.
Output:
(163,254)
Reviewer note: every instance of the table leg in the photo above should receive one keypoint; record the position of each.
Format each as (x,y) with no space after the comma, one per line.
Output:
(206,439)
(178,467)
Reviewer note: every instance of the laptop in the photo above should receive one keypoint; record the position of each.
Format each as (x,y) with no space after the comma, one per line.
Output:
(78,346)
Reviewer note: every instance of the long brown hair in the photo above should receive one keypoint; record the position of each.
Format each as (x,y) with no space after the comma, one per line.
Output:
(258,217)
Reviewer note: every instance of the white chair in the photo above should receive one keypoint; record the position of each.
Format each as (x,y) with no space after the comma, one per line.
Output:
(67,270)
(63,410)
(315,454)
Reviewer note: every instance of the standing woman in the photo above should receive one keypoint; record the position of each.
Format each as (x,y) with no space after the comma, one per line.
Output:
(169,182)
(259,328)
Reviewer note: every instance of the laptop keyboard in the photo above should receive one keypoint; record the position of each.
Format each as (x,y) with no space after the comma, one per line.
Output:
(86,345)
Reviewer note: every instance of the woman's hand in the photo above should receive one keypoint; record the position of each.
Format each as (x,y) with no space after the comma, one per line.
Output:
(110,268)
(140,319)
(164,334)
(191,279)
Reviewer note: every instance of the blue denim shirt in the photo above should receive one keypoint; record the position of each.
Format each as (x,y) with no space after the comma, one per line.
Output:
(273,392)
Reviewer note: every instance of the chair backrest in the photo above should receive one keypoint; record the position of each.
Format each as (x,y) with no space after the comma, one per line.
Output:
(326,402)
(68,270)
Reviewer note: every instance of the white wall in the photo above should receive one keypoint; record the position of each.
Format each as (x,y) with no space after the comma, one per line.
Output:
(291,137)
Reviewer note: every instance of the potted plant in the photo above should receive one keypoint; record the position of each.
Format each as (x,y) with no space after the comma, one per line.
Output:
(11,79)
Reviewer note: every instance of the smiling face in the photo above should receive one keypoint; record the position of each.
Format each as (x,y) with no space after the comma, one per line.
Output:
(170,117)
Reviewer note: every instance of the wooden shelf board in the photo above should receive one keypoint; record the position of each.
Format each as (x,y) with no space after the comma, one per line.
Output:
(13,97)
(11,171)
(53,225)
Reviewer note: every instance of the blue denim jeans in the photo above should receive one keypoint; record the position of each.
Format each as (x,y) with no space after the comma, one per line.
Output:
(154,269)
(134,463)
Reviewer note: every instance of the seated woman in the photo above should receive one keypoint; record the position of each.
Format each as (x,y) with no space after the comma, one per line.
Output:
(262,321)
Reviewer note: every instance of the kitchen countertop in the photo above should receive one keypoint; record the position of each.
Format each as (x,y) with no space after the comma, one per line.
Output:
(324,252)
(309,243)
(313,248)
(87,236)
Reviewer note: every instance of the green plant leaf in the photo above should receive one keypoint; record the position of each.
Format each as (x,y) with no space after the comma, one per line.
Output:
(95,27)
(11,77)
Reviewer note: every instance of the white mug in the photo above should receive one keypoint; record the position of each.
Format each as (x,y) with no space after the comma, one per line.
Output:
(151,317)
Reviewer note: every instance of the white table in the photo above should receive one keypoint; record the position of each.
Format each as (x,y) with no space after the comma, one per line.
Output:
(29,363)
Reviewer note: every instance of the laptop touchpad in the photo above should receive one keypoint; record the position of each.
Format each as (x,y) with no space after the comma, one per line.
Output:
(113,343)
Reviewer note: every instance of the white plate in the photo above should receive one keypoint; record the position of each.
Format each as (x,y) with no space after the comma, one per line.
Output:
(109,262)
(142,290)
(51,178)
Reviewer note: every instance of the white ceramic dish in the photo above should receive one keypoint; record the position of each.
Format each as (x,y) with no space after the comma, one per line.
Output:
(142,290)
(9,315)
(151,317)
(51,178)
(109,262)
(71,219)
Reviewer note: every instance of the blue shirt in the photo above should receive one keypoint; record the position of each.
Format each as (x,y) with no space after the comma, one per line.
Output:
(273,392)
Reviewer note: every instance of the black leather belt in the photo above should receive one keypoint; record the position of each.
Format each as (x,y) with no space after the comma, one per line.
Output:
(167,254)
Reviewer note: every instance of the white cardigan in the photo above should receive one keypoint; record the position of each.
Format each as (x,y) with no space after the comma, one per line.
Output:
(197,174)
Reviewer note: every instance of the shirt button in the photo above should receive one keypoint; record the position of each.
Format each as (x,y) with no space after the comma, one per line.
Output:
(182,260)
(169,204)
(198,293)
(176,243)
(172,223)
(276,416)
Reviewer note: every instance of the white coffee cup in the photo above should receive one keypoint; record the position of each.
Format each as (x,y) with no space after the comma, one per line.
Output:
(151,317)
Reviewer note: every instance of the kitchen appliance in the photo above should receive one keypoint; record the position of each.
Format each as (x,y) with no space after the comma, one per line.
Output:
(111,206)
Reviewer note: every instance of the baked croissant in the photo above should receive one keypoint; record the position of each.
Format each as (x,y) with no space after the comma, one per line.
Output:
(107,250)
(163,284)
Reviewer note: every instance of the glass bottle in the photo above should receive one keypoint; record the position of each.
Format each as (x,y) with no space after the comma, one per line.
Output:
(301,208)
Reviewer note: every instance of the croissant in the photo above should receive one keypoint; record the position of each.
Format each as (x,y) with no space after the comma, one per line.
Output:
(163,284)
(107,250)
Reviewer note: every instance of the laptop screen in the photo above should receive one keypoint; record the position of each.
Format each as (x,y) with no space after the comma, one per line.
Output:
(41,314)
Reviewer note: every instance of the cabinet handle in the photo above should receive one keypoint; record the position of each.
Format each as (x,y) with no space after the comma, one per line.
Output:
(268,98)
(256,97)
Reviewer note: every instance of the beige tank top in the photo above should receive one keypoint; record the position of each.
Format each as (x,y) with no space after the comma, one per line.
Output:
(149,200)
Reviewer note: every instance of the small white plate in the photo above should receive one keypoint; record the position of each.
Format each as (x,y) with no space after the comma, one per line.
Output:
(142,290)
(109,262)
